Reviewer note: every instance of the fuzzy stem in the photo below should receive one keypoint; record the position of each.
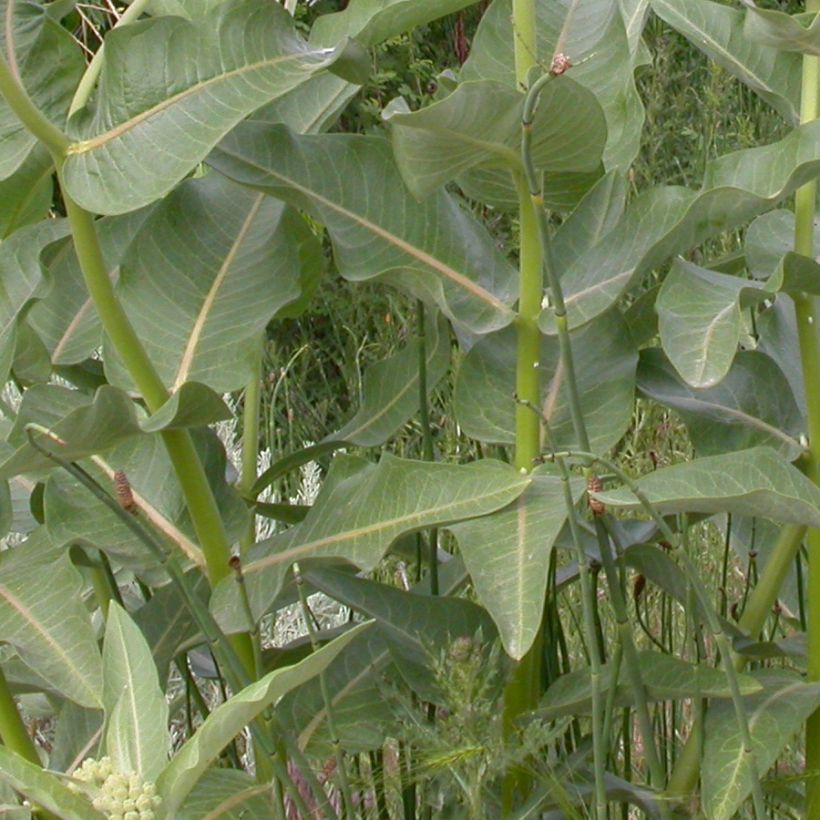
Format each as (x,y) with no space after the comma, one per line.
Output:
(805,314)
(92,72)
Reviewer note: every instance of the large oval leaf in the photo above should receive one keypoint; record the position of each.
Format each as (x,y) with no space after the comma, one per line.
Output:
(171,88)
(432,248)
(605,361)
(360,513)
(756,482)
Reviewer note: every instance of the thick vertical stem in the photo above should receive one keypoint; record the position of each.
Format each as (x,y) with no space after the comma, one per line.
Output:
(805,313)
(250,442)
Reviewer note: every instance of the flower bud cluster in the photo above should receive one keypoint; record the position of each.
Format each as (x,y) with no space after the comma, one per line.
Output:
(118,796)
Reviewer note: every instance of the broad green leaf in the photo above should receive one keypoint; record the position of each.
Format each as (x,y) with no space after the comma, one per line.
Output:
(605,361)
(65,318)
(291,462)
(508,552)
(228,794)
(73,514)
(210,267)
(42,615)
(668,220)
(228,719)
(769,250)
(22,279)
(44,789)
(781,31)
(717,31)
(192,405)
(665,677)
(390,394)
(136,712)
(752,406)
(360,712)
(26,194)
(76,737)
(172,88)
(416,625)
(373,21)
(44,56)
(479,124)
(432,248)
(775,716)
(597,42)
(358,517)
(756,482)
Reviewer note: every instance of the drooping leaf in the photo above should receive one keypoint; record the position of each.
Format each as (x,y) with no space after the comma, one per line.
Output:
(597,42)
(668,220)
(390,394)
(205,274)
(752,406)
(136,712)
(774,716)
(360,712)
(373,21)
(665,678)
(191,405)
(605,361)
(415,625)
(433,248)
(358,515)
(21,275)
(718,31)
(26,194)
(43,616)
(781,31)
(77,737)
(65,318)
(755,482)
(479,124)
(508,552)
(45,58)
(228,794)
(44,789)
(174,88)
(228,719)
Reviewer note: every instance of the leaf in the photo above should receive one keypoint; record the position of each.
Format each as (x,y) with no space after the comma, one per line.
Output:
(174,82)
(42,615)
(605,361)
(784,32)
(755,482)
(192,405)
(479,124)
(358,515)
(434,249)
(360,712)
(45,58)
(390,394)
(76,737)
(65,318)
(44,789)
(775,716)
(26,194)
(752,406)
(136,712)
(597,42)
(228,794)
(508,553)
(374,21)
(21,274)
(668,220)
(229,718)
(210,267)
(415,625)
(665,677)
(718,31)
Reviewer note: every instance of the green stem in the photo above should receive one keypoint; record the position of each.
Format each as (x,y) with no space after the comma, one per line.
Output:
(250,443)
(684,777)
(13,731)
(29,115)
(806,316)
(524,36)
(92,72)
